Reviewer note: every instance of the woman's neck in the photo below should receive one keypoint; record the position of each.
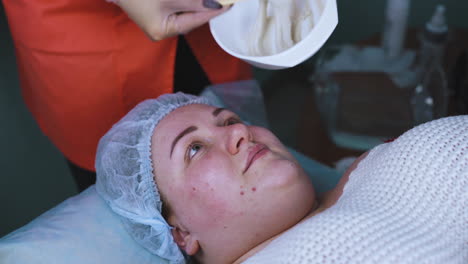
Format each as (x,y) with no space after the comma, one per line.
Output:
(316,208)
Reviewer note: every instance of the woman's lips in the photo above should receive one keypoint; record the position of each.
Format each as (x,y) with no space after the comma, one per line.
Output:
(255,153)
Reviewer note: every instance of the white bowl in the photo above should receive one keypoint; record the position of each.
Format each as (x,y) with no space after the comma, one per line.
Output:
(231,31)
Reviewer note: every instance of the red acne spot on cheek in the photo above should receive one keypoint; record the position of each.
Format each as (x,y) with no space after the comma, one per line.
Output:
(241,193)
(254,189)
(194,189)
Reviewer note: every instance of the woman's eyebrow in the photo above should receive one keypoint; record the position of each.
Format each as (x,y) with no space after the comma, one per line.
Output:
(217,111)
(183,133)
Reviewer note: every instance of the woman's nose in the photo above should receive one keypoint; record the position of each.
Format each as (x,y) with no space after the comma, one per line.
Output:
(238,134)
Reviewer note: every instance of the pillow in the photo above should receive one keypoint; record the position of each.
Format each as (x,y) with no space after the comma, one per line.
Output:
(82,229)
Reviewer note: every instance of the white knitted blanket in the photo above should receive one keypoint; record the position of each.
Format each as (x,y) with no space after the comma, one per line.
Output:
(407,202)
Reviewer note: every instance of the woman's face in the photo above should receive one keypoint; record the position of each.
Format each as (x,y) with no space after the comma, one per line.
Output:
(227,183)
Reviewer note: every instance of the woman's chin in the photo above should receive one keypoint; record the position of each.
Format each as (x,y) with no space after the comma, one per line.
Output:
(284,173)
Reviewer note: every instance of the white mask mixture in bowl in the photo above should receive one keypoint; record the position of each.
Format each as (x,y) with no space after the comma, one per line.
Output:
(275,34)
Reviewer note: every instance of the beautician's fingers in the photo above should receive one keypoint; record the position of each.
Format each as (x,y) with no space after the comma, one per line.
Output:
(161,19)
(212,4)
(178,6)
(195,14)
(185,22)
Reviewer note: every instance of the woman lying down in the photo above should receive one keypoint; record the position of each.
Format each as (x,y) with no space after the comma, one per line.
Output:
(188,178)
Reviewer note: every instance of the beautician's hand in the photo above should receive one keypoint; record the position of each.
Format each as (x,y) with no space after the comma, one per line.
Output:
(161,19)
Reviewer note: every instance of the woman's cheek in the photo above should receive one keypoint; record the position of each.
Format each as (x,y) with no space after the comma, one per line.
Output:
(211,202)
(207,207)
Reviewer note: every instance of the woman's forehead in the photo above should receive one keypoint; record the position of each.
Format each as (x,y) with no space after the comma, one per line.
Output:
(191,110)
(184,114)
(181,119)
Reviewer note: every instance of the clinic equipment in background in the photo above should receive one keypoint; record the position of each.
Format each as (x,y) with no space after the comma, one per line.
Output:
(367,94)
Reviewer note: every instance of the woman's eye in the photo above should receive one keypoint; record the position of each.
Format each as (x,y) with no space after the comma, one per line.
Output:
(192,150)
(232,121)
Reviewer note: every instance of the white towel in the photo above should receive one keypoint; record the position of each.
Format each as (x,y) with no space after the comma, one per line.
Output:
(407,202)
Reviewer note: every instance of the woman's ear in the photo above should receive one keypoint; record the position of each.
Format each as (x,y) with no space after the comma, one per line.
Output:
(185,241)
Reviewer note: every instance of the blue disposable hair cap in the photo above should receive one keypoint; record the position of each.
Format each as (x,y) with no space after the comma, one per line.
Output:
(125,175)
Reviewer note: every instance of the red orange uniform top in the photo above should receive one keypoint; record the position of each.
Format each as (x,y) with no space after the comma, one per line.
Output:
(83,64)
